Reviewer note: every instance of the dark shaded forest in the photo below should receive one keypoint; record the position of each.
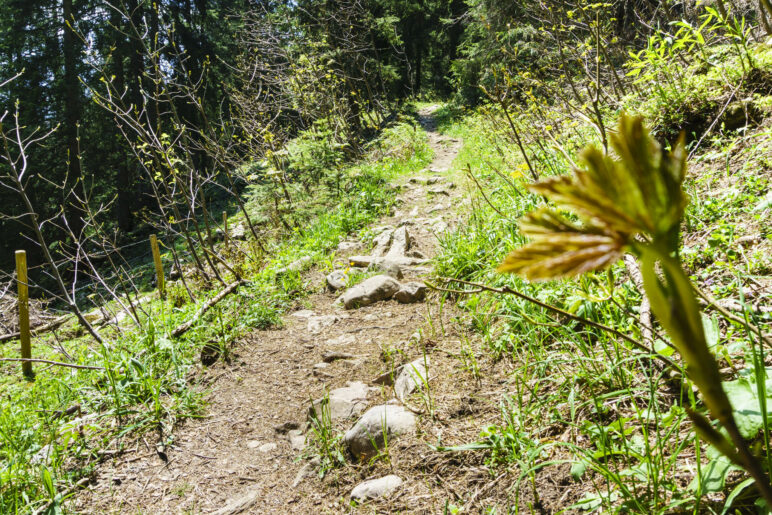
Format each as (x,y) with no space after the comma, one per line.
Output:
(79,69)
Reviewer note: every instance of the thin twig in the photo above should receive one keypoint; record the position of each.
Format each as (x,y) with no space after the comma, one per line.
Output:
(48,362)
(712,302)
(482,191)
(51,325)
(181,329)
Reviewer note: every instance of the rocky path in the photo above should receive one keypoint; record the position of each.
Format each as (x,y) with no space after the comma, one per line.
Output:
(376,353)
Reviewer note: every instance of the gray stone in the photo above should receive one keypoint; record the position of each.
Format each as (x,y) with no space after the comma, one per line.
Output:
(435,208)
(296,266)
(382,242)
(415,253)
(118,318)
(343,403)
(382,228)
(410,293)
(267,447)
(303,313)
(440,227)
(378,424)
(241,504)
(375,488)
(400,243)
(297,440)
(43,455)
(316,324)
(239,232)
(386,267)
(372,290)
(331,356)
(439,190)
(347,245)
(401,261)
(336,280)
(412,375)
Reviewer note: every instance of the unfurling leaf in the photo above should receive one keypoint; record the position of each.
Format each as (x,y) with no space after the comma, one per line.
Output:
(616,199)
(560,248)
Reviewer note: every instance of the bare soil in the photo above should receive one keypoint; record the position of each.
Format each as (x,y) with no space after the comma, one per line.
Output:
(236,459)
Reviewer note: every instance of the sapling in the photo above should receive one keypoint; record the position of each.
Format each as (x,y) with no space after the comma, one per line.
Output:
(635,203)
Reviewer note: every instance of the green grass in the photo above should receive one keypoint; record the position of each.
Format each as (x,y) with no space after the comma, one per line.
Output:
(145,385)
(626,434)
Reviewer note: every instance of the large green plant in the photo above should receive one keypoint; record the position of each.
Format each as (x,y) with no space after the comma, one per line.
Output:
(635,203)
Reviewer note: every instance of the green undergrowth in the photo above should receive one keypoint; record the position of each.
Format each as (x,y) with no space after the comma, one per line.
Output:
(581,397)
(723,86)
(55,429)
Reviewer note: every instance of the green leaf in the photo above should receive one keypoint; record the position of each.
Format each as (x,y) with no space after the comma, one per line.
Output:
(578,469)
(48,482)
(714,475)
(712,332)
(591,501)
(743,395)
(736,493)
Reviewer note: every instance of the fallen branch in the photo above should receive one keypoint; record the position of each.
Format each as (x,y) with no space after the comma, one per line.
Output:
(183,328)
(49,362)
(645,309)
(43,328)
(506,290)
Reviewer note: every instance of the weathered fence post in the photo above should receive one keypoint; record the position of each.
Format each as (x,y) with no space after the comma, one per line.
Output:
(23,299)
(226,237)
(159,268)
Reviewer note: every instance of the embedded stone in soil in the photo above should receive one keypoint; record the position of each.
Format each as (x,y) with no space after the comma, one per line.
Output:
(375,488)
(412,375)
(336,280)
(379,423)
(343,403)
(386,267)
(372,290)
(411,293)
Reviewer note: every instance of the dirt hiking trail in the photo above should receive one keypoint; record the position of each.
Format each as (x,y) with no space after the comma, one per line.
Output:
(246,455)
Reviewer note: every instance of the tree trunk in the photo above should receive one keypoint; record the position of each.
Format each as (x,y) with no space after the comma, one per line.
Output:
(418,68)
(765,7)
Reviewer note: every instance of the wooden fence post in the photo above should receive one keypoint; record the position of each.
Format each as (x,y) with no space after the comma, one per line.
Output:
(226,237)
(159,267)
(23,299)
